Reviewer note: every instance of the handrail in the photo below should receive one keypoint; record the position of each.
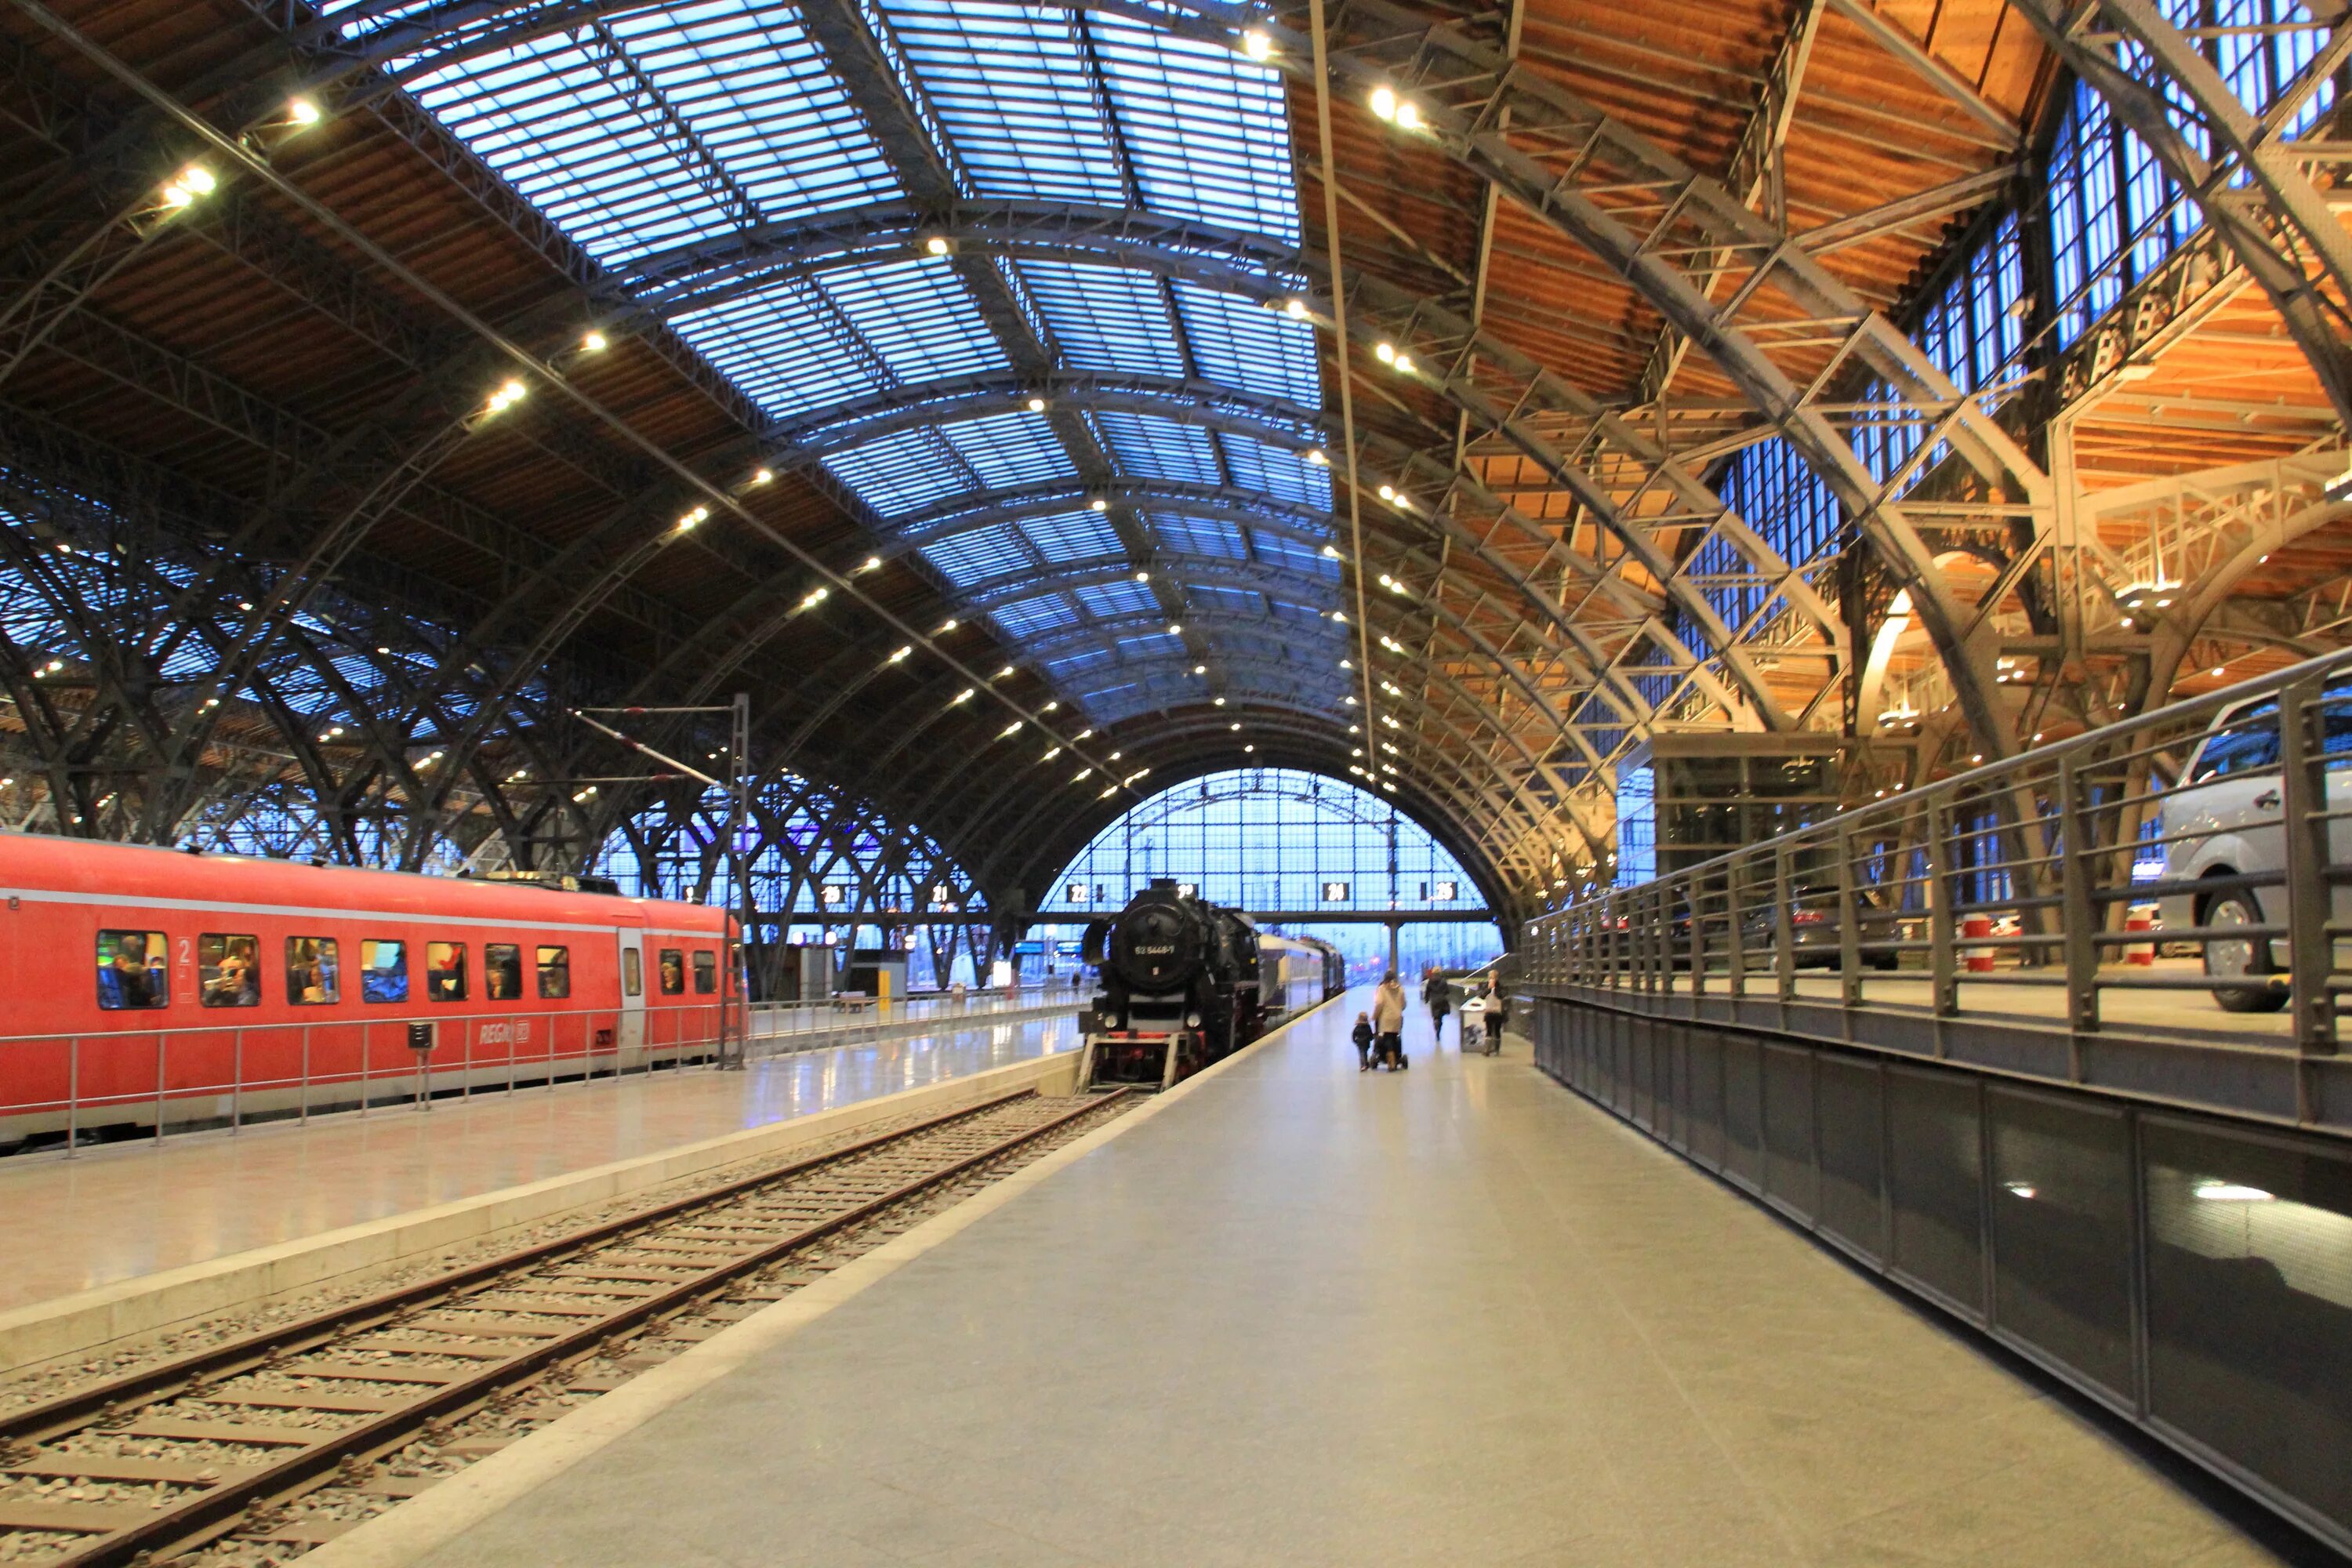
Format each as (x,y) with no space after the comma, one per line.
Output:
(2022,890)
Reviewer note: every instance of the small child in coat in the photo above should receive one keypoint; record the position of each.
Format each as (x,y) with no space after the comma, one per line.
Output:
(1364,1038)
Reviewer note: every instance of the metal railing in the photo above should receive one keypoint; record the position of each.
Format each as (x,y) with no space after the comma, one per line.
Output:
(69,1086)
(2090,888)
(780,1027)
(62,1089)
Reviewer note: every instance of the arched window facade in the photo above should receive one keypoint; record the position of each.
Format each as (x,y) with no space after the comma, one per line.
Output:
(1275,839)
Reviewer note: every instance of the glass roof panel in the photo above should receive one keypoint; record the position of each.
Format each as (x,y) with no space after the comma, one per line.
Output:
(1010,84)
(637,132)
(786,347)
(1106,601)
(1183,534)
(1245,345)
(1009,449)
(901,472)
(917,317)
(1278,472)
(1161,448)
(1206,128)
(1072,536)
(983,553)
(1105,318)
(1031,617)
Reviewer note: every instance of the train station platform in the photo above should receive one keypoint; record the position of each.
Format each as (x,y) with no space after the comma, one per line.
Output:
(1296,1314)
(88,1239)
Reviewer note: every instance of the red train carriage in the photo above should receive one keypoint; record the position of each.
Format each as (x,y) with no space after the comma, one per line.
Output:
(149,987)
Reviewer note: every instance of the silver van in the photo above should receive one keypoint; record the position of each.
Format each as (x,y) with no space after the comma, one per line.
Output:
(2225,824)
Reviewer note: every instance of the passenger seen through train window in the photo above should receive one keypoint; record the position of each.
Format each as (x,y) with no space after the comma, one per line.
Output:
(384,971)
(555,972)
(673,972)
(501,971)
(228,970)
(131,970)
(445,970)
(706,973)
(314,969)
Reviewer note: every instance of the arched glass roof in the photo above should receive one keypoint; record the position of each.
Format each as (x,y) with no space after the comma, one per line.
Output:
(662,133)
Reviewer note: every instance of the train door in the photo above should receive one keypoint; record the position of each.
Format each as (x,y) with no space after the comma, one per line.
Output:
(632,1040)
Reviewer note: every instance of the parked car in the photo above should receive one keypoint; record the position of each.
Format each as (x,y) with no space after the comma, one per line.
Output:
(1813,930)
(2225,824)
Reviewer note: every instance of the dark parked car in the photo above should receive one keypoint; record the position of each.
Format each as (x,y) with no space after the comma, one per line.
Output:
(1813,930)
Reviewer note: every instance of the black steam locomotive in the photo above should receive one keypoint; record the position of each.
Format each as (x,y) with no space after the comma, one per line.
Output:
(1184,983)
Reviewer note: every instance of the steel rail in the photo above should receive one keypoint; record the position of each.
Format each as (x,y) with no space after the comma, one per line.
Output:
(205,1515)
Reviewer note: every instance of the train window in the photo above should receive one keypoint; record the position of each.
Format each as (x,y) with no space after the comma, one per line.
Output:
(228,970)
(133,970)
(555,972)
(314,969)
(706,973)
(502,972)
(445,970)
(633,972)
(673,972)
(383,970)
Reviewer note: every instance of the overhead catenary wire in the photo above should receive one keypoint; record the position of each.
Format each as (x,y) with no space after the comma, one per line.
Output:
(714,495)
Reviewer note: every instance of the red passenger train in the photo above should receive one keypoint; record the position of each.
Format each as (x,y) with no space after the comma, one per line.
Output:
(151,987)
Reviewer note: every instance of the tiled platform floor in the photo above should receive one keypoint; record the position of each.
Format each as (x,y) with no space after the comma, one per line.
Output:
(1311,1317)
(130,1210)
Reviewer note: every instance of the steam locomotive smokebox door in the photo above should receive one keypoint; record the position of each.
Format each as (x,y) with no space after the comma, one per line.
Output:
(420,1038)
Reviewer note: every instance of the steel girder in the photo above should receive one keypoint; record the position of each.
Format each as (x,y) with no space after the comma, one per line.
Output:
(2253,185)
(1639,209)
(1503,392)
(1268,421)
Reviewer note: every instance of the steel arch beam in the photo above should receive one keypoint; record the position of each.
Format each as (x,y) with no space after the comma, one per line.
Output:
(1268,421)
(714,271)
(2253,188)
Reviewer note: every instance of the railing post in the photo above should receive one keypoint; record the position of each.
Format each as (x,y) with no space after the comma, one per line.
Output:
(2079,941)
(73,1094)
(1784,925)
(305,1119)
(237,1084)
(1849,922)
(2303,821)
(1695,894)
(161,1044)
(1943,964)
(1736,901)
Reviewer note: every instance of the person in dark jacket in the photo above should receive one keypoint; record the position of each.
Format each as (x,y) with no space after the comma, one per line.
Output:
(1364,1038)
(1440,997)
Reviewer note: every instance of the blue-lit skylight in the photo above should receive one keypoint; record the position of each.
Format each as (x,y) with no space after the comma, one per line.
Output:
(1161,448)
(635,133)
(643,131)
(1105,318)
(1106,601)
(1072,536)
(1184,534)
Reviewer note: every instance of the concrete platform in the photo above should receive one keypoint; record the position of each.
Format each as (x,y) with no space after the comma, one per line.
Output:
(1303,1315)
(133,1237)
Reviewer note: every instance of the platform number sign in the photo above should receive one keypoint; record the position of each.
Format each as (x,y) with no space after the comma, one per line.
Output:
(1335,892)
(1189,890)
(1448,891)
(1076,894)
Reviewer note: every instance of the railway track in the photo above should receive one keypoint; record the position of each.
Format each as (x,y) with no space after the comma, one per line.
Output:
(375,1399)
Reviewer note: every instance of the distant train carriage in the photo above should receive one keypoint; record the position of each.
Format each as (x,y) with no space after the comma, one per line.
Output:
(152,985)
